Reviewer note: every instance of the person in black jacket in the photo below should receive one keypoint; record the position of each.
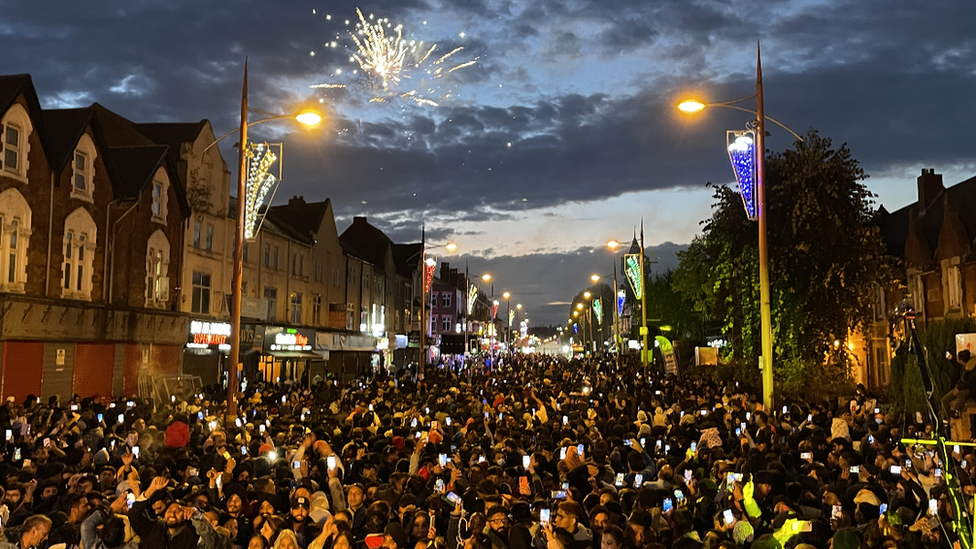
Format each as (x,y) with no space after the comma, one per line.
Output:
(181,527)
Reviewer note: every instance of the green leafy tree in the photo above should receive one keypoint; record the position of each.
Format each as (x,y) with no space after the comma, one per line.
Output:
(825,256)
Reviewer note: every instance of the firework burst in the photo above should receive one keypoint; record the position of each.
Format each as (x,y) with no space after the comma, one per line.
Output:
(389,62)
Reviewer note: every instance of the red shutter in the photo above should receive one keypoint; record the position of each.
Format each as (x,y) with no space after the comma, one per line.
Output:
(94,369)
(23,366)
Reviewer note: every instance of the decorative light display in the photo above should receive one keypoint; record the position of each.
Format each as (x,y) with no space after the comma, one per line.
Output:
(742,154)
(621,300)
(259,184)
(472,297)
(428,274)
(494,311)
(632,268)
(598,309)
(511,317)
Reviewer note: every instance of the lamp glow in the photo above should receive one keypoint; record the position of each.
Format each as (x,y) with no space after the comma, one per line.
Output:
(486,277)
(450,246)
(506,295)
(587,295)
(613,244)
(595,278)
(691,106)
(579,306)
(519,306)
(308,118)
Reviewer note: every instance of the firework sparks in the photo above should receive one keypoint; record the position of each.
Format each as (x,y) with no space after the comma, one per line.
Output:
(386,58)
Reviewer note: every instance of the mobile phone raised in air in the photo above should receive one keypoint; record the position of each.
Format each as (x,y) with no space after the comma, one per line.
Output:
(667,505)
(544,516)
(638,480)
(562,453)
(933,507)
(453,498)
(526,460)
(442,460)
(855,469)
(558,494)
(439,485)
(523,484)
(130,498)
(836,512)
(331,462)
(619,480)
(895,470)
(727,517)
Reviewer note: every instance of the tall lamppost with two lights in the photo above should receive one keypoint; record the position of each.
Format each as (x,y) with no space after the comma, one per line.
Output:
(428,263)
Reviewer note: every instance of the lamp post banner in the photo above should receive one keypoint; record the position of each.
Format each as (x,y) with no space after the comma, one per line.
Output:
(742,154)
(260,181)
(632,268)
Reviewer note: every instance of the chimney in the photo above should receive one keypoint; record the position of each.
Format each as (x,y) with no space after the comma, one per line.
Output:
(296,201)
(929,187)
(358,219)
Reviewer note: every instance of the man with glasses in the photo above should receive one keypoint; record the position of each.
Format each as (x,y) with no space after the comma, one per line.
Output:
(497,530)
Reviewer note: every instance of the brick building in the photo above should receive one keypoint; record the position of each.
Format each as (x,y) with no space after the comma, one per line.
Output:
(91,233)
(933,238)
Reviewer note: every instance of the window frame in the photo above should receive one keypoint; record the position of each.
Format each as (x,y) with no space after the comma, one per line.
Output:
(78,251)
(203,288)
(85,148)
(16,117)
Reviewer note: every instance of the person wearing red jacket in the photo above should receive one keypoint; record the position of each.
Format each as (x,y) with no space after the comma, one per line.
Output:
(178,433)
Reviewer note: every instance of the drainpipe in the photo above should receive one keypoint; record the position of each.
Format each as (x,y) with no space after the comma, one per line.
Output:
(50,234)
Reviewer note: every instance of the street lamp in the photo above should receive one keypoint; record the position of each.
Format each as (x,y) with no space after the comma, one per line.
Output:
(427,279)
(766,325)
(508,318)
(308,118)
(645,349)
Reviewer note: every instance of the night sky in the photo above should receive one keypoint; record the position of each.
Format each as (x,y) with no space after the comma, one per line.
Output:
(562,135)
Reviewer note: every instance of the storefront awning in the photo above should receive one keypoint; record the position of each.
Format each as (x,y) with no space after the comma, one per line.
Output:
(297,354)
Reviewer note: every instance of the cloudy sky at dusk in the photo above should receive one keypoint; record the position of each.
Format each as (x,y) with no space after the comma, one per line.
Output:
(564,132)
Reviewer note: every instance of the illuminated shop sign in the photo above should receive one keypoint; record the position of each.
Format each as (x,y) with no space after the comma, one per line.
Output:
(209,333)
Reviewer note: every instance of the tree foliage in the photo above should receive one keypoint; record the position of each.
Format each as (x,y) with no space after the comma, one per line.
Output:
(825,258)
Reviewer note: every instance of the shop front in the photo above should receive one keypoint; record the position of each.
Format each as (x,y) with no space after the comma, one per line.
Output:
(206,350)
(352,356)
(287,355)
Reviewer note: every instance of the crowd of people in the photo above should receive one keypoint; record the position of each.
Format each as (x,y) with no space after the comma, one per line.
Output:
(542,453)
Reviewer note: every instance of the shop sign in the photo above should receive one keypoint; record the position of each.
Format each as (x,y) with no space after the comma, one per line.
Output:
(288,339)
(209,333)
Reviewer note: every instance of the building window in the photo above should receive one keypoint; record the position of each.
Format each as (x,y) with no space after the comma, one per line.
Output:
(301,265)
(209,241)
(317,309)
(445,323)
(201,293)
(244,253)
(157,270)
(267,255)
(954,286)
(15,231)
(446,300)
(15,132)
(433,323)
(296,308)
(196,234)
(79,249)
(158,200)
(275,258)
(335,277)
(271,295)
(294,264)
(83,177)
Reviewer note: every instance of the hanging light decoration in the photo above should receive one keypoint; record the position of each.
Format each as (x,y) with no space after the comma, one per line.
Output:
(742,155)
(259,184)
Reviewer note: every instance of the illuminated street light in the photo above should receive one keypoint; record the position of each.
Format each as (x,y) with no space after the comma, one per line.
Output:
(237,275)
(613,244)
(766,325)
(595,278)
(450,246)
(587,295)
(691,106)
(486,277)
